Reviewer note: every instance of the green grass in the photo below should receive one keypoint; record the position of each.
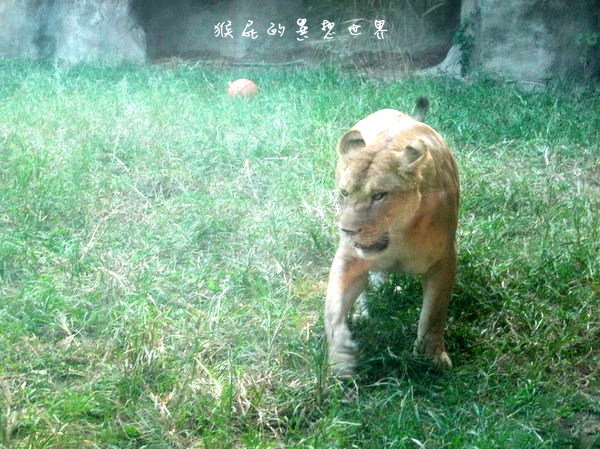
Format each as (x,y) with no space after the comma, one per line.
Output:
(164,253)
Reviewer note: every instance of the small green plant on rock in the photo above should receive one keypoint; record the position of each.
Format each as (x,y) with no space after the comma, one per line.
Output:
(466,41)
(589,40)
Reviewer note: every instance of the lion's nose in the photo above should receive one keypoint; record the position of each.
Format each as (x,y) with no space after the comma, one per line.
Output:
(350,231)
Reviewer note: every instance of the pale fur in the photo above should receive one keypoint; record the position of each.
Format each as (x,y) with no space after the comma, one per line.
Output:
(410,163)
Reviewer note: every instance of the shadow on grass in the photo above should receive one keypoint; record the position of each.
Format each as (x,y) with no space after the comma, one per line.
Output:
(386,338)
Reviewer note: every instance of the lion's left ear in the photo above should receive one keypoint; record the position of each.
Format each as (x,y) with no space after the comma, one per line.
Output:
(413,155)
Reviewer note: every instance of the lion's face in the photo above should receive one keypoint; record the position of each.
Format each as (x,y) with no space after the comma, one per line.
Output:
(378,193)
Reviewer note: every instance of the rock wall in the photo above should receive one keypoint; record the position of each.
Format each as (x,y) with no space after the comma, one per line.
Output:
(70,30)
(187,28)
(530,40)
(95,30)
(18,29)
(418,33)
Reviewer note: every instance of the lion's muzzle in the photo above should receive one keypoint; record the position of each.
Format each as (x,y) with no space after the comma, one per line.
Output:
(364,237)
(379,245)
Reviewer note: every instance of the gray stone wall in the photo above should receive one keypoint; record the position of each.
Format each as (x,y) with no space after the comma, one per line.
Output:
(530,40)
(18,29)
(418,32)
(96,30)
(187,28)
(70,30)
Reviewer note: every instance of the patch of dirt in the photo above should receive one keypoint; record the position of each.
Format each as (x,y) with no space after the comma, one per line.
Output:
(592,176)
(582,431)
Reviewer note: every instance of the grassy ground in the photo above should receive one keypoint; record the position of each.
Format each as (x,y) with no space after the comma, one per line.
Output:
(164,252)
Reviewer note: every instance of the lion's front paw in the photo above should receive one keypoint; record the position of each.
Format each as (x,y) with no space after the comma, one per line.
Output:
(434,351)
(442,360)
(342,360)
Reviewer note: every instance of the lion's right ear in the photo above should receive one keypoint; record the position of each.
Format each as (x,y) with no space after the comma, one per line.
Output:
(350,143)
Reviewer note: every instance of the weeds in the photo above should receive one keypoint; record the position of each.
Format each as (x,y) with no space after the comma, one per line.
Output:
(164,252)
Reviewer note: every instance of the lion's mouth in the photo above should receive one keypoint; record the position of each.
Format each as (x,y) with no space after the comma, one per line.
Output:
(379,245)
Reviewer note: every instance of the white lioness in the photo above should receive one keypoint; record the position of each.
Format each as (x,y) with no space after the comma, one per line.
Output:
(399,192)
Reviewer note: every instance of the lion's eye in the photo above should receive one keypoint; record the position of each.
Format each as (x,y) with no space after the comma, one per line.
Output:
(344,193)
(379,196)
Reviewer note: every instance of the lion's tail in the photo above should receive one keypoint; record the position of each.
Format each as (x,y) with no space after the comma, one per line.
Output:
(421,108)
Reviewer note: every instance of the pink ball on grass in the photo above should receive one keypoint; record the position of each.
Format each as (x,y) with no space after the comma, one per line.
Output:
(242,88)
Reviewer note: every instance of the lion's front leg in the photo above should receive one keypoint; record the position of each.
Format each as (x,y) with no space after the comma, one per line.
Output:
(437,290)
(347,278)
(361,308)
